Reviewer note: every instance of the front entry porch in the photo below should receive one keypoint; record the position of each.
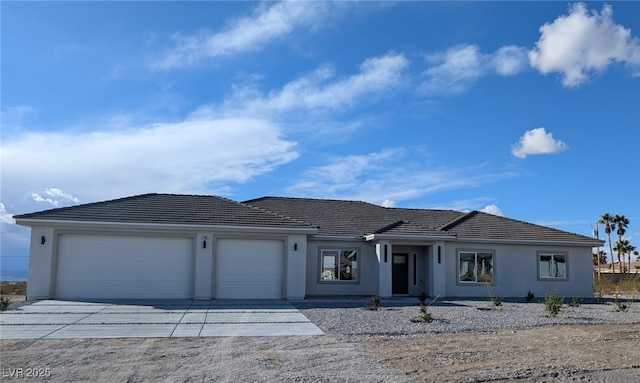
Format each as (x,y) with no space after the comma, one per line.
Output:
(409,268)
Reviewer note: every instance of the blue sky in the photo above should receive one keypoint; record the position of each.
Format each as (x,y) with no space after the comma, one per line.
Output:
(529,110)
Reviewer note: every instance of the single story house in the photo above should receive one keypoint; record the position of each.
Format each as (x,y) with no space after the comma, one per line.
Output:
(207,247)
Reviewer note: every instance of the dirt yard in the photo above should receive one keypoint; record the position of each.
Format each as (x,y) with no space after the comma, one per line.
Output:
(557,353)
(545,354)
(549,353)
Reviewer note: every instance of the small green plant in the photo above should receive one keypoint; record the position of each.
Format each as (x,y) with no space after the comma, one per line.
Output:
(4,303)
(425,315)
(530,296)
(621,307)
(374,303)
(575,302)
(598,297)
(553,304)
(495,301)
(422,297)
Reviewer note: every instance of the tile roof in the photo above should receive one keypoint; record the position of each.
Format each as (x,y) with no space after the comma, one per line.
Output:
(355,218)
(337,217)
(169,209)
(482,225)
(329,217)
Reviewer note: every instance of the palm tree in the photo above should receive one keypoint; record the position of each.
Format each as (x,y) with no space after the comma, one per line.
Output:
(622,222)
(603,258)
(609,226)
(623,247)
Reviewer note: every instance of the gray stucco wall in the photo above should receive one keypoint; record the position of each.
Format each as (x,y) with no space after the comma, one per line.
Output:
(516,272)
(367,283)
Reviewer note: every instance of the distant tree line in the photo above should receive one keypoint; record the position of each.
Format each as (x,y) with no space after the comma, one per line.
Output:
(618,224)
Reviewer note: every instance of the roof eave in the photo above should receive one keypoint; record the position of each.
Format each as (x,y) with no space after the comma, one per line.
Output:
(586,243)
(325,237)
(163,226)
(380,237)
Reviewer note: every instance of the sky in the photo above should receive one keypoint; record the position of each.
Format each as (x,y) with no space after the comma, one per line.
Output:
(530,110)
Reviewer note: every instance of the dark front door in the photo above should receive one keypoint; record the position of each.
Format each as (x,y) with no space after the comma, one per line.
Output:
(400,274)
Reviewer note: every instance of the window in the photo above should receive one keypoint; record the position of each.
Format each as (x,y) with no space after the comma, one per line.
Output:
(339,265)
(475,267)
(552,265)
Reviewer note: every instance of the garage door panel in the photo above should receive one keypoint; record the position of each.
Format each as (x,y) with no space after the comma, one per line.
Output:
(249,269)
(123,267)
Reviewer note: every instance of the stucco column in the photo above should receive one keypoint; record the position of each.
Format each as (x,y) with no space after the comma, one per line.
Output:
(296,267)
(383,252)
(203,266)
(40,279)
(439,274)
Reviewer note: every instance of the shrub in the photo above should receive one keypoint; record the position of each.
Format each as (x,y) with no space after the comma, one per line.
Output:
(4,303)
(553,304)
(575,302)
(598,297)
(530,296)
(495,301)
(425,315)
(621,307)
(374,303)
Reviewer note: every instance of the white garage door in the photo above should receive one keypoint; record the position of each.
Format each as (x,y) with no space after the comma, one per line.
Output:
(249,269)
(123,267)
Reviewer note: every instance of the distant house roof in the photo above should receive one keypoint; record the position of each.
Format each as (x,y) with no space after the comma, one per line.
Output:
(318,216)
(170,209)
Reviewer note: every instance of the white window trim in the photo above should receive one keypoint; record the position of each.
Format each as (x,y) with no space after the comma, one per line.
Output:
(552,253)
(338,281)
(476,251)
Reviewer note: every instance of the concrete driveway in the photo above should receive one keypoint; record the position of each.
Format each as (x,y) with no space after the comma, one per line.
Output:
(53,319)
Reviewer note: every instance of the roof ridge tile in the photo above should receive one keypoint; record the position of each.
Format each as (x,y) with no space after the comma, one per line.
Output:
(244,203)
(457,220)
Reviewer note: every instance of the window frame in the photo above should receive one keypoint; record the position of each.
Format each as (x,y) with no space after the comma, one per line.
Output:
(552,253)
(321,268)
(476,252)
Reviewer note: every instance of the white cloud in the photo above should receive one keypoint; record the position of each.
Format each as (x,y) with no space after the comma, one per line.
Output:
(454,70)
(581,43)
(509,60)
(5,217)
(55,197)
(320,91)
(384,177)
(189,156)
(537,141)
(467,205)
(492,209)
(388,203)
(268,22)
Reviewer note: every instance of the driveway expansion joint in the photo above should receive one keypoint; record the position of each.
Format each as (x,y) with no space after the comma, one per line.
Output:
(140,319)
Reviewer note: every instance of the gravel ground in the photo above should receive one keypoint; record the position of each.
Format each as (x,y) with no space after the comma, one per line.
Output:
(395,316)
(468,341)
